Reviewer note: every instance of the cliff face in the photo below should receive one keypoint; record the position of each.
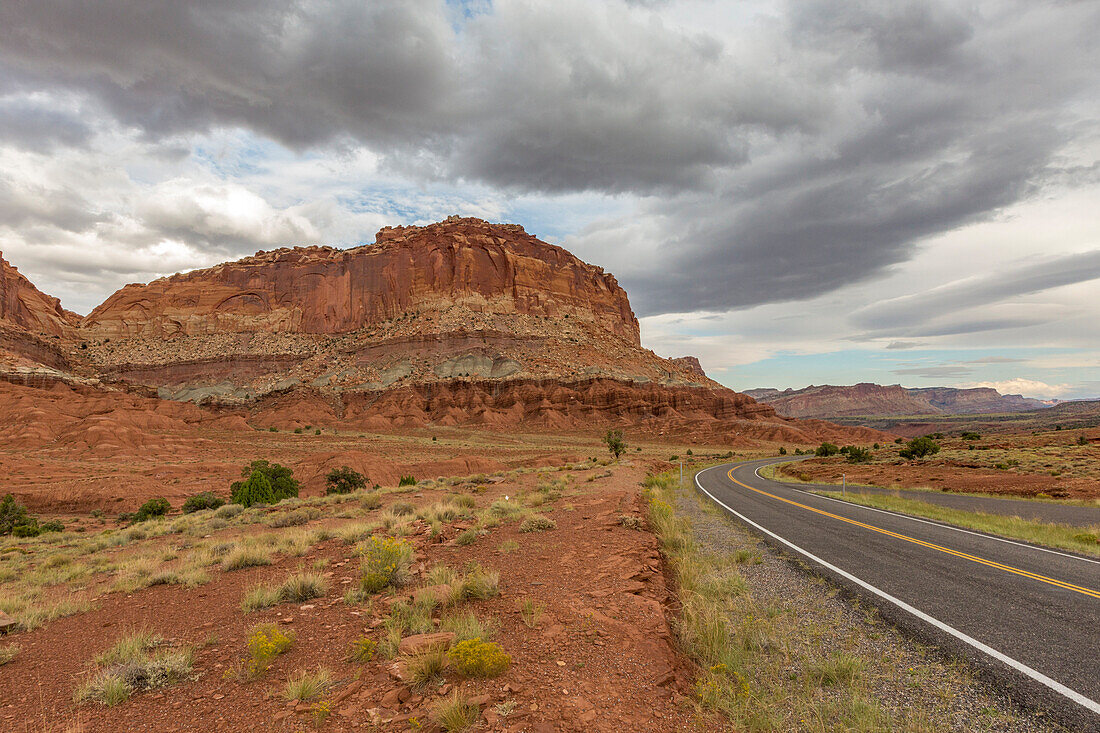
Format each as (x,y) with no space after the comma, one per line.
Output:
(874,400)
(408,272)
(25,306)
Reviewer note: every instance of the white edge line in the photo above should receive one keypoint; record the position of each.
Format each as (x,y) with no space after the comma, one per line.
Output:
(924,521)
(1054,685)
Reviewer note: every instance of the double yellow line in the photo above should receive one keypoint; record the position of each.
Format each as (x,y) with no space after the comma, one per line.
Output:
(930,545)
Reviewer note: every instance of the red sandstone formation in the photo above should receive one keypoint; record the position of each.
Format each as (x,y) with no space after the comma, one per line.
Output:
(25,306)
(407,273)
(869,400)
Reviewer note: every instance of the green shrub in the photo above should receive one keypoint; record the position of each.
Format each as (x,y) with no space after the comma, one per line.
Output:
(407,481)
(859,455)
(782,451)
(967,435)
(827,449)
(477,658)
(53,525)
(204,500)
(27,529)
(344,480)
(12,514)
(919,448)
(265,483)
(157,507)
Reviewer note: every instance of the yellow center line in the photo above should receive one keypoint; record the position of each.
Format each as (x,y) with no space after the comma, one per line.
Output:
(948,550)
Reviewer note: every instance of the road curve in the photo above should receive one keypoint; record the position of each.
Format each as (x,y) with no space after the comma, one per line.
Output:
(1027,617)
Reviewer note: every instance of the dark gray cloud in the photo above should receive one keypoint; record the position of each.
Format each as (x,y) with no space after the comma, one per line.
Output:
(776,159)
(964,295)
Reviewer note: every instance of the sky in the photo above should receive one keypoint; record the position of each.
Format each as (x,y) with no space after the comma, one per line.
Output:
(800,192)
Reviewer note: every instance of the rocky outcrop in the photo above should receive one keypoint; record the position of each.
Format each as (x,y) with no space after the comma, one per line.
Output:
(875,400)
(690,362)
(409,272)
(25,306)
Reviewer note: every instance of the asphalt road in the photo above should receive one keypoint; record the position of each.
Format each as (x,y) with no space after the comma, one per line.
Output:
(1027,617)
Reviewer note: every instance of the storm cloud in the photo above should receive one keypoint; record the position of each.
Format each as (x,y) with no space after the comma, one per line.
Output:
(715,157)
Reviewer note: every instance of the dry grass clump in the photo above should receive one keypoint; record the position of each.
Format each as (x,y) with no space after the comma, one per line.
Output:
(305,685)
(426,668)
(630,522)
(531,611)
(8,653)
(537,523)
(133,664)
(296,588)
(246,557)
(468,626)
(455,714)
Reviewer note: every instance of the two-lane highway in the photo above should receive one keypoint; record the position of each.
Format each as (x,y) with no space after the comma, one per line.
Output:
(1030,617)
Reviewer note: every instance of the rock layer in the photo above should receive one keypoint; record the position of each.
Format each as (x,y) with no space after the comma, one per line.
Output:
(872,400)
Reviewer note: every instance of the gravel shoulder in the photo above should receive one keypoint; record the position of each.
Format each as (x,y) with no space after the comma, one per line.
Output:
(916,686)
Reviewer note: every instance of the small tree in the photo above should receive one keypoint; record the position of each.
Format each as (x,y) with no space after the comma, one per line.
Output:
(344,480)
(613,439)
(968,435)
(826,449)
(1082,440)
(12,514)
(919,448)
(859,455)
(782,451)
(280,484)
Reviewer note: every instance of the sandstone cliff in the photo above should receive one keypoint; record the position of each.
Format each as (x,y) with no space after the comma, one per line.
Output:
(875,400)
(409,272)
(460,299)
(31,323)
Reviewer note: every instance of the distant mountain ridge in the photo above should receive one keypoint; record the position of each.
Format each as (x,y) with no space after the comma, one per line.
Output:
(873,400)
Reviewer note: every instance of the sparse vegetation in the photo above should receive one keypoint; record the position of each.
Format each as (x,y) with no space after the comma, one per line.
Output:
(407,481)
(246,557)
(827,449)
(133,664)
(426,667)
(531,611)
(362,650)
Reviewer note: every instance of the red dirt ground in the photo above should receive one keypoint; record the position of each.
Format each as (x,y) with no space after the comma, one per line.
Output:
(602,658)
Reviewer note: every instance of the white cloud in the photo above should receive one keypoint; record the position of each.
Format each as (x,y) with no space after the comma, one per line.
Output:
(1025,387)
